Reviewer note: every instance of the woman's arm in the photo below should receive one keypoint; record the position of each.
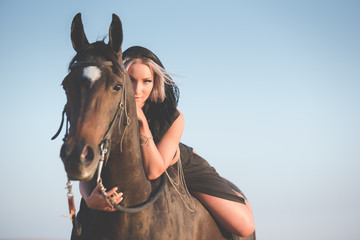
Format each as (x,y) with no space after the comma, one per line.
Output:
(157,158)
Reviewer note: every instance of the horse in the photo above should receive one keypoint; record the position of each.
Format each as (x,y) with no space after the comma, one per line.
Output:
(102,145)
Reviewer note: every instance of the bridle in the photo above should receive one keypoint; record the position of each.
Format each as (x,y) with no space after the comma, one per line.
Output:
(105,142)
(105,146)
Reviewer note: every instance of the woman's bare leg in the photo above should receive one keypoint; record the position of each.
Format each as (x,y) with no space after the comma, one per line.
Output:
(234,217)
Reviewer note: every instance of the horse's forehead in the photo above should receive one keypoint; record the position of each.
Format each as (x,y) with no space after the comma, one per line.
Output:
(92,73)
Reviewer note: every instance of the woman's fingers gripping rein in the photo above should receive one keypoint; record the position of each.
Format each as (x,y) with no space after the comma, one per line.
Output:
(115,197)
(97,201)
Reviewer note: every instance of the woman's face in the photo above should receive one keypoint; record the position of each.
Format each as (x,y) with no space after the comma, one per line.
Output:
(142,78)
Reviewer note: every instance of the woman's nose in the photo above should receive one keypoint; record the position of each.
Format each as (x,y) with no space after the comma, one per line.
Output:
(136,87)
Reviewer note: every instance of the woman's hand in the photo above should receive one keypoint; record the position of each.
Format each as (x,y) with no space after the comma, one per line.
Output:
(140,115)
(98,202)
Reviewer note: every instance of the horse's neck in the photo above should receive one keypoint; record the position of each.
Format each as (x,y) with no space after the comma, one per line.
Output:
(125,171)
(125,167)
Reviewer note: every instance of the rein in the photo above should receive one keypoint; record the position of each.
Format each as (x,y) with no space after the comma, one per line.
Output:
(105,146)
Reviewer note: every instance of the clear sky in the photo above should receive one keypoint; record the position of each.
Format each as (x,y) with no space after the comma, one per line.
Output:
(270,91)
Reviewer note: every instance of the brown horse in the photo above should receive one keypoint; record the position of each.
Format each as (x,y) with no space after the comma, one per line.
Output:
(102,145)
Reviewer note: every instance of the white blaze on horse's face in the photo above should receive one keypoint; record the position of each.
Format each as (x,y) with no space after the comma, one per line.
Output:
(92,73)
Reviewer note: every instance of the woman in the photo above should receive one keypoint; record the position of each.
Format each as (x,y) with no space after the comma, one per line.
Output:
(161,126)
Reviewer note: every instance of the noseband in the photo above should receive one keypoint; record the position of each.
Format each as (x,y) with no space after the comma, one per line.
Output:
(105,146)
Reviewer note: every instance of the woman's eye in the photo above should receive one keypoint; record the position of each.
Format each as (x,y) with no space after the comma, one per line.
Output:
(117,87)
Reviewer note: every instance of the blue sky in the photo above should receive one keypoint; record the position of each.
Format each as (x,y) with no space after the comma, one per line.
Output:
(269,91)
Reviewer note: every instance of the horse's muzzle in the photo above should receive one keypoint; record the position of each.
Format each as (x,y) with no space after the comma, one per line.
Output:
(80,159)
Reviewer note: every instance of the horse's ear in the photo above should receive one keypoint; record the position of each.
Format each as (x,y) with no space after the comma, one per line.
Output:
(78,37)
(115,34)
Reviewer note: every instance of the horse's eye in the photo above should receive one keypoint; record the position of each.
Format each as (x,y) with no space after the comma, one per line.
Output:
(117,87)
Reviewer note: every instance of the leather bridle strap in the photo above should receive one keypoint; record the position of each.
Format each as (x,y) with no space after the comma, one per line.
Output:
(89,63)
(105,143)
(61,125)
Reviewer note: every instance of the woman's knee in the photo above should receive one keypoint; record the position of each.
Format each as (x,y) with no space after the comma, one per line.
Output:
(234,217)
(246,228)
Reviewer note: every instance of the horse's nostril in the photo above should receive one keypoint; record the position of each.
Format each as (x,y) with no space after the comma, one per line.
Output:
(87,154)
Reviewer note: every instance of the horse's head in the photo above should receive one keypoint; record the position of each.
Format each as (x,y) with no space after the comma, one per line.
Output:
(95,95)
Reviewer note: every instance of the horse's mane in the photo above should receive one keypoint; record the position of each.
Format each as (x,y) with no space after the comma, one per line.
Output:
(100,48)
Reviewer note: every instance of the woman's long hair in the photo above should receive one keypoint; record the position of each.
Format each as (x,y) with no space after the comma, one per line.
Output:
(159,114)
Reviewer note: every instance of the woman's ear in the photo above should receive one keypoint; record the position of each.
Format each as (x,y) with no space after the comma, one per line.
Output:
(115,34)
(78,37)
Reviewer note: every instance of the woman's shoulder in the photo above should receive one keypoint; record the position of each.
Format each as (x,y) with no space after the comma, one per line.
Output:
(161,118)
(180,116)
(179,121)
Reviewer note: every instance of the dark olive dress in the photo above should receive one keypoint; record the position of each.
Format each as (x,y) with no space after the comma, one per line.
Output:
(202,177)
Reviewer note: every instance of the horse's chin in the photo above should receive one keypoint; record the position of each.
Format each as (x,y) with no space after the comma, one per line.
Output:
(81,175)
